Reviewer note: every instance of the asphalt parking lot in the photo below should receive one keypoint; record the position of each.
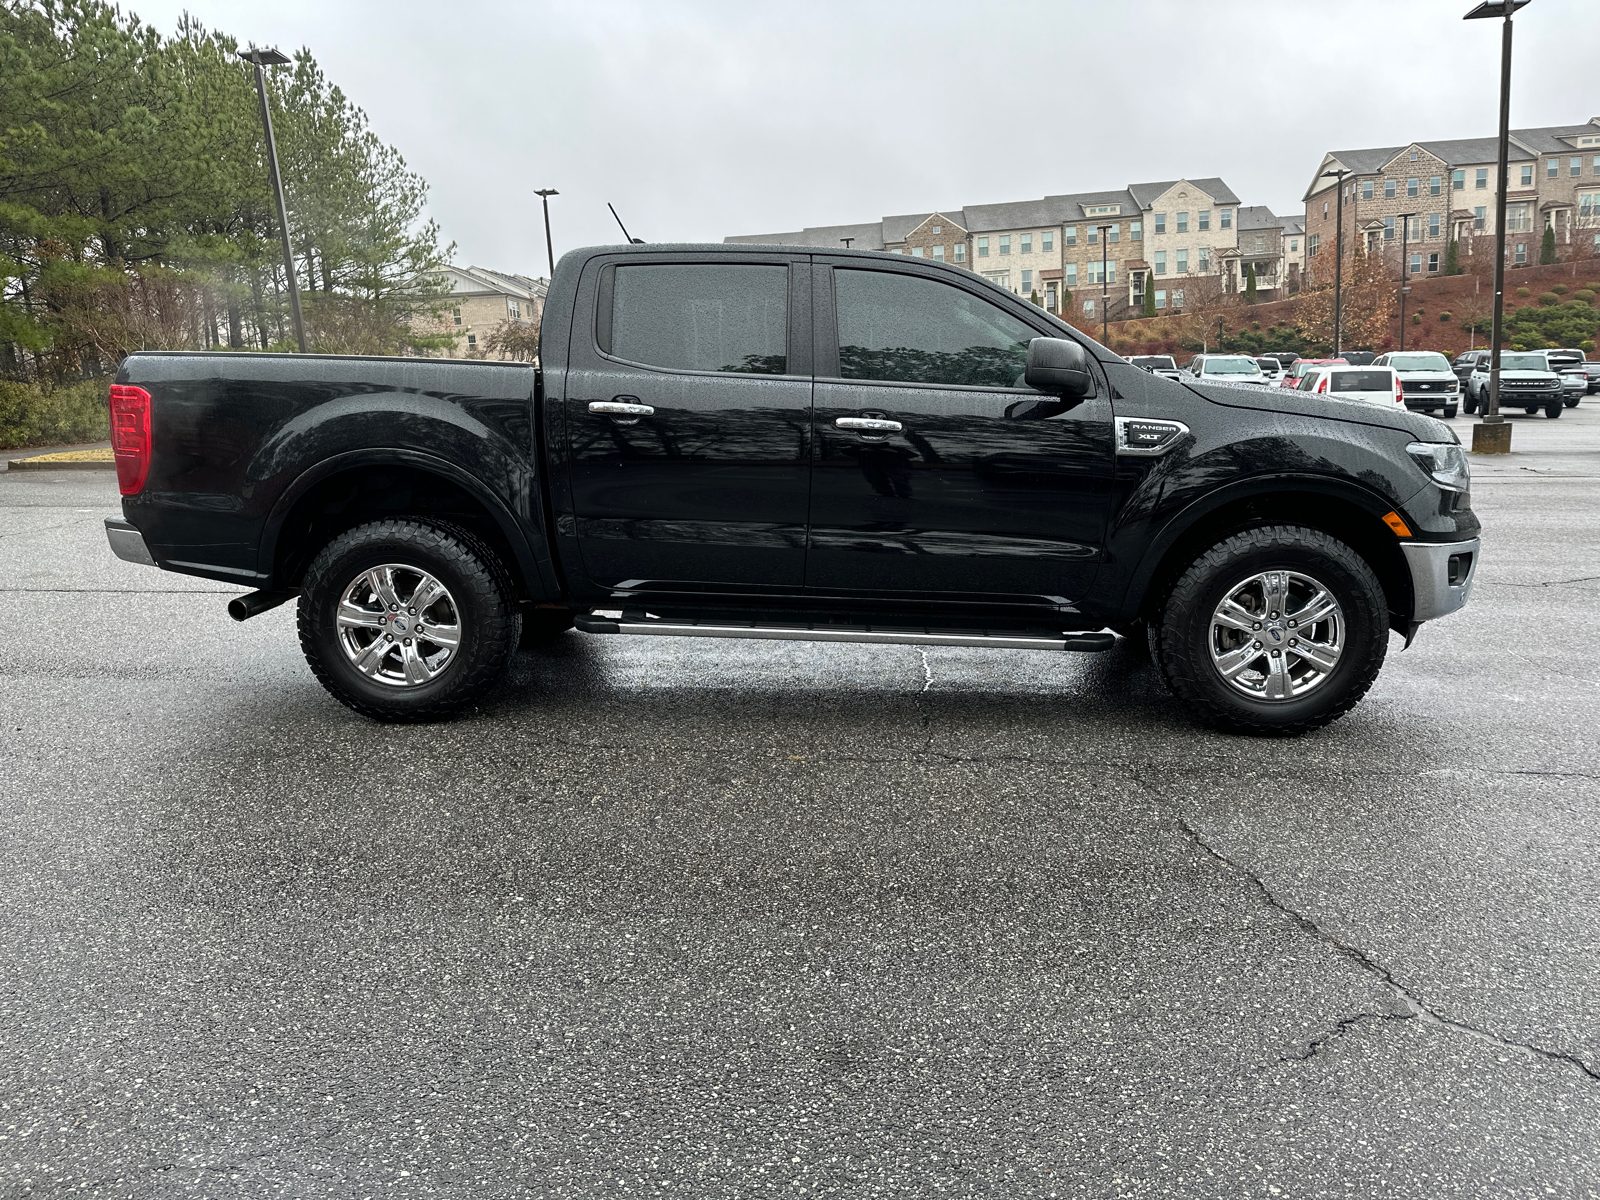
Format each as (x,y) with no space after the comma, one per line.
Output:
(750,919)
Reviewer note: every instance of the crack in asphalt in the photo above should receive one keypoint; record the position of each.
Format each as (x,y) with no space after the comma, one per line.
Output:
(1551,582)
(1420,1010)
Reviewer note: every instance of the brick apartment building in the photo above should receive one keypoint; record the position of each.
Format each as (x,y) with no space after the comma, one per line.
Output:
(1147,236)
(1449,188)
(481,300)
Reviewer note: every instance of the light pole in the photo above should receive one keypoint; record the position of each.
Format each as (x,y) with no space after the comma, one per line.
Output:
(1492,435)
(1338,255)
(1105,295)
(271,58)
(544,195)
(1405,270)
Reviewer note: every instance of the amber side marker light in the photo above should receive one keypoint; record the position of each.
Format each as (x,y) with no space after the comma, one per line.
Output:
(1393,521)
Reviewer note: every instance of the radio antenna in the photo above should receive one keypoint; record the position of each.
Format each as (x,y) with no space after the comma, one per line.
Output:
(631,240)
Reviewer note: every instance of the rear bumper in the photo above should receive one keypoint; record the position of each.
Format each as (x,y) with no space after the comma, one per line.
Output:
(127,543)
(1439,586)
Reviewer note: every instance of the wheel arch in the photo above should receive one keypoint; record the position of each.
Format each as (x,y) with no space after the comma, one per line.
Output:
(1346,511)
(349,489)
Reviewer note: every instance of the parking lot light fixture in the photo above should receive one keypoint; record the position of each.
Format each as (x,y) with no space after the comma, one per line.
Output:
(1338,252)
(272,58)
(1105,294)
(544,195)
(1405,269)
(1492,434)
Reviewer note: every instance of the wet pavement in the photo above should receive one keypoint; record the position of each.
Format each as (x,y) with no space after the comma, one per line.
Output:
(744,919)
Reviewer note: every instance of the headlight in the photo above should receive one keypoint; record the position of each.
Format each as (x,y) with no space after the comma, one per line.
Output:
(1444,462)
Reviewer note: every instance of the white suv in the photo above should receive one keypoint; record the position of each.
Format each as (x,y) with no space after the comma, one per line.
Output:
(1226,368)
(1426,378)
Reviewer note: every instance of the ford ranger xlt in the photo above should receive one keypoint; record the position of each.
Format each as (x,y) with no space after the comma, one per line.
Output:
(773,442)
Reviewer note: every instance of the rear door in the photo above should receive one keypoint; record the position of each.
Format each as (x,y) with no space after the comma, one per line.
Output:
(687,423)
(980,487)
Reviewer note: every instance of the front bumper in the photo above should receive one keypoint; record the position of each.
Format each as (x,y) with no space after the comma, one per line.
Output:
(1441,576)
(127,543)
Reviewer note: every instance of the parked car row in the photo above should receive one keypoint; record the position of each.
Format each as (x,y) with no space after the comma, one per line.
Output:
(1421,380)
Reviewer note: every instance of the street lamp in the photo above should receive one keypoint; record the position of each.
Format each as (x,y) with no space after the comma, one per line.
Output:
(1492,435)
(1105,295)
(271,58)
(544,195)
(1338,255)
(1405,270)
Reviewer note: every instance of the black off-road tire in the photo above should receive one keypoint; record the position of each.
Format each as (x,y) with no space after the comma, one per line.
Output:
(478,583)
(1469,403)
(1449,411)
(1553,409)
(1573,403)
(1179,637)
(542,626)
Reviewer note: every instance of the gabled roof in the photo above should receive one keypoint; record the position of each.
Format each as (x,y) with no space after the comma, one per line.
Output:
(1292,225)
(1257,216)
(1549,140)
(475,280)
(866,236)
(1145,194)
(897,229)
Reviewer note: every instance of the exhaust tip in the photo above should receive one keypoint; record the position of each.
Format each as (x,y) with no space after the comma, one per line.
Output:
(242,608)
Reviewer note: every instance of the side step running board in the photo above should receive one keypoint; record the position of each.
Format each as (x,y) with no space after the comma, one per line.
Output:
(628,624)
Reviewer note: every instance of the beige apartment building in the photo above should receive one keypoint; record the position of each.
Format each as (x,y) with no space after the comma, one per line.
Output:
(1089,250)
(481,300)
(1421,196)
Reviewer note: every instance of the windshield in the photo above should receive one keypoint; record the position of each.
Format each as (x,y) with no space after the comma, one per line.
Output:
(1231,366)
(1419,362)
(1522,362)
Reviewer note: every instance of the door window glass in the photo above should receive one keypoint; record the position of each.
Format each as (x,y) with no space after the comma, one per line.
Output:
(702,317)
(913,330)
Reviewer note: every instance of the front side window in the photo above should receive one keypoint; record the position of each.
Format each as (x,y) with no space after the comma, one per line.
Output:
(1204,218)
(911,330)
(1458,181)
(1183,222)
(720,317)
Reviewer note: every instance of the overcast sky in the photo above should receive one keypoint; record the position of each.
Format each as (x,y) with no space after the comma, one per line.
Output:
(699,120)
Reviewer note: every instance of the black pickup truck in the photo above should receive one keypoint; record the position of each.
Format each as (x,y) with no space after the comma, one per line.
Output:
(771,442)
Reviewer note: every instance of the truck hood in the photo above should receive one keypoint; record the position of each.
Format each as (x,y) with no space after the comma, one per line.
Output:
(1535,376)
(1333,408)
(1426,376)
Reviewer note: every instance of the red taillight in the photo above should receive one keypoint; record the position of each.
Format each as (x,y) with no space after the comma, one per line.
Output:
(1322,384)
(130,436)
(1399,392)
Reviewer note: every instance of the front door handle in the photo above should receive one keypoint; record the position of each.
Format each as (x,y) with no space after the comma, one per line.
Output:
(868,425)
(621,408)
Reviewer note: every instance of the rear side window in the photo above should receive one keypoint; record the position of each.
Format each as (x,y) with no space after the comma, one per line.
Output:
(1361,381)
(913,330)
(701,317)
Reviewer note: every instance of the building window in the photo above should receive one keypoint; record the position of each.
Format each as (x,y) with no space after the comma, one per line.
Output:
(1388,229)
(916,252)
(1183,222)
(1005,243)
(1312,244)
(1161,262)
(1095,271)
(1414,228)
(1072,275)
(897,252)
(1413,156)
(1433,262)
(457,313)
(1596,168)
(1205,218)
(1388,189)
(1183,261)
(1588,205)
(1294,245)
(1047,240)
(1416,264)
(1161,222)
(1027,243)
(1088,308)
(1205,258)
(1070,237)
(1458,181)
(938,253)
(1136,228)
(1552,168)
(1161,298)
(1479,215)
(1177,298)
(1433,225)
(1225,216)
(1027,280)
(1522,252)
(472,341)
(1412,188)
(1519,217)
(1092,234)
(983,247)
(1435,185)
(514,310)
(1482,181)
(1527,176)
(1050,297)
(1324,210)
(936,230)
(961,251)
(1366,189)
(1575,166)
(1261,243)
(1115,233)
(999,278)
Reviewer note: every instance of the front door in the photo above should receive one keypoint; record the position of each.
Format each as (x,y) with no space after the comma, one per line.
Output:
(687,422)
(978,487)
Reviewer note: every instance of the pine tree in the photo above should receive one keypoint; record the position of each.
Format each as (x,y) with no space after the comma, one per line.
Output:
(1547,250)
(1249,283)
(1452,264)
(1033,296)
(1149,298)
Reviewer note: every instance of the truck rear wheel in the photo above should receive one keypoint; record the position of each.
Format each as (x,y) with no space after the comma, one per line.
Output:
(1280,629)
(405,620)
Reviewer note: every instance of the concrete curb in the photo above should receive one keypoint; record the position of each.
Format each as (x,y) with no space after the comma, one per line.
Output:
(23,464)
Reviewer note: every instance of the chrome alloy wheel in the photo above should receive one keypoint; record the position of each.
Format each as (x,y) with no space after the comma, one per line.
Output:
(398,625)
(1277,635)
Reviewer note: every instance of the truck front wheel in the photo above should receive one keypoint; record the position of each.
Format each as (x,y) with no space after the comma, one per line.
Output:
(406,620)
(1279,629)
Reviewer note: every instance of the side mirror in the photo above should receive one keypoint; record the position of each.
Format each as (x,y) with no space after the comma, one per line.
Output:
(1060,366)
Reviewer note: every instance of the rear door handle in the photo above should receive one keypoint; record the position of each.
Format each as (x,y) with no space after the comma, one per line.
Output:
(868,425)
(621,408)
